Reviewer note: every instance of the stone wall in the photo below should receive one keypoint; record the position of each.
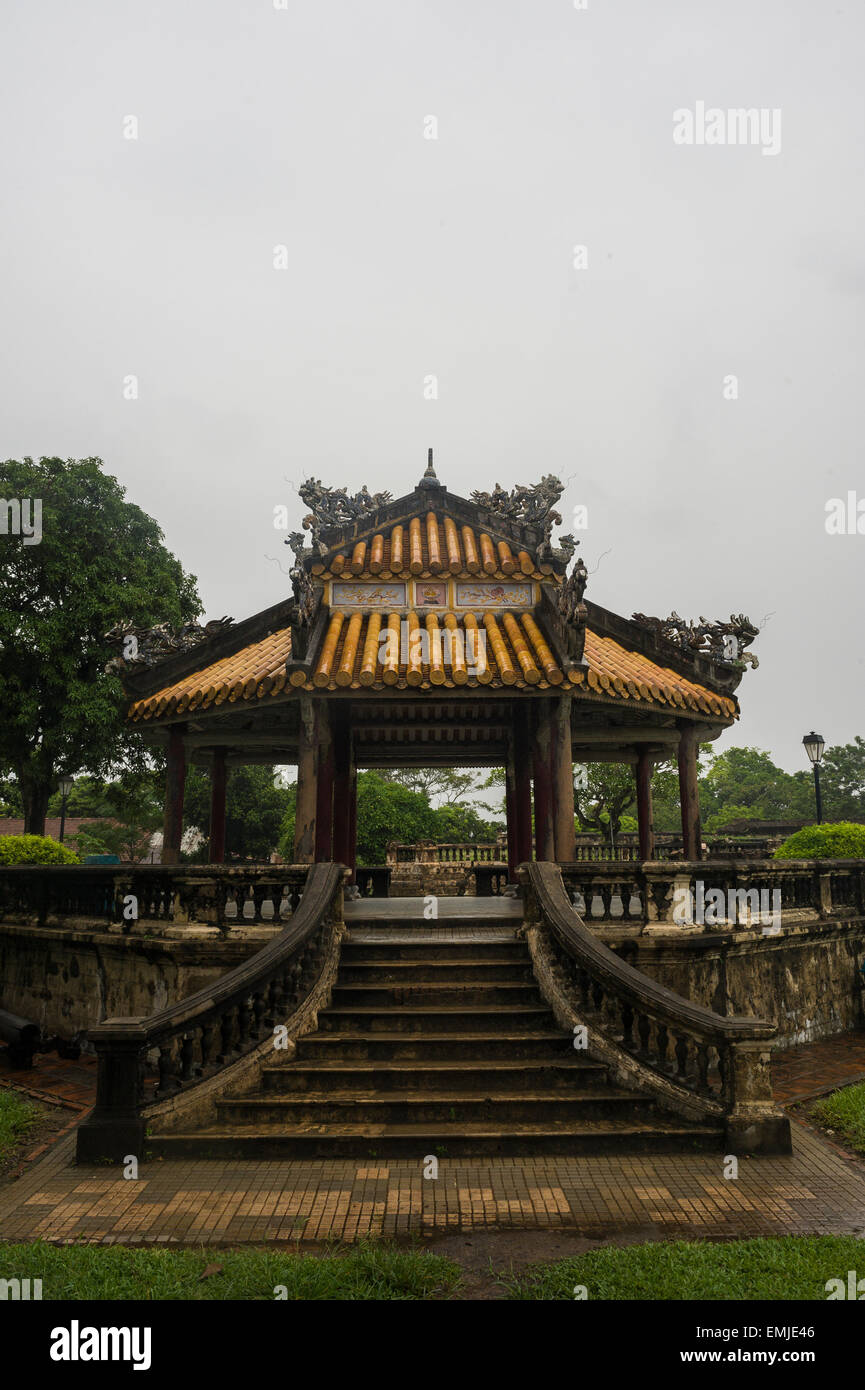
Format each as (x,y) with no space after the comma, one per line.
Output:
(67,980)
(807,980)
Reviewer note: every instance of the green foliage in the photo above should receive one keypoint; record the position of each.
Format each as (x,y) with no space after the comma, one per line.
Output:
(368,1271)
(792,1267)
(101,561)
(255,809)
(34,849)
(844,1111)
(387,811)
(843,840)
(17,1117)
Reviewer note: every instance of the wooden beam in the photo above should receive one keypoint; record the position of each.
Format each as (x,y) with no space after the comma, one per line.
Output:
(217,807)
(324,786)
(175,783)
(563,782)
(304,823)
(645,817)
(688,796)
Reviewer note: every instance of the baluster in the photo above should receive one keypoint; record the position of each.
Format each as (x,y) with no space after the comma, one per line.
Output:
(703,1069)
(682,1058)
(662,1042)
(627,1027)
(644,1025)
(169,1081)
(188,1068)
(275,1001)
(597,994)
(258,1010)
(244,1018)
(227,1035)
(208,1042)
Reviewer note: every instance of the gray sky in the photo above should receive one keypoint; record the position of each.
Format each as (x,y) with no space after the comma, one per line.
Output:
(454,257)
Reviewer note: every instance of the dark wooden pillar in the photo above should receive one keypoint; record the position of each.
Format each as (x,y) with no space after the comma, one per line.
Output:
(645,817)
(324,786)
(175,785)
(688,798)
(352,825)
(304,819)
(341,788)
(563,782)
(511,815)
(217,807)
(522,788)
(542,741)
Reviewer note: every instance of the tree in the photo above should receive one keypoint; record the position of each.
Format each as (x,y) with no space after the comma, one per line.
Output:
(609,790)
(387,811)
(842,781)
(100,561)
(255,809)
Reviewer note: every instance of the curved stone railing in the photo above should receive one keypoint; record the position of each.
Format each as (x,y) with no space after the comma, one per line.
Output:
(192,1041)
(690,1059)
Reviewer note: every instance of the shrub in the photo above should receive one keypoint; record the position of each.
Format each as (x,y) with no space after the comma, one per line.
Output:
(844,840)
(34,849)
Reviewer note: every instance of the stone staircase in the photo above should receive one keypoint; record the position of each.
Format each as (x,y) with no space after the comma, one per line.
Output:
(436,1042)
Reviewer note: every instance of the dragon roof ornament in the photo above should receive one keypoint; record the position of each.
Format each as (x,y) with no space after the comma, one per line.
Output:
(335,506)
(529,506)
(722,641)
(140,647)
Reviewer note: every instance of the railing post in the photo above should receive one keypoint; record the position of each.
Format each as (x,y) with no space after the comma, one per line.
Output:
(753,1122)
(114,1129)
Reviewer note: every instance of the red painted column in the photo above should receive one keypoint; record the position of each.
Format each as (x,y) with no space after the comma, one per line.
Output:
(352,825)
(563,782)
(688,798)
(217,807)
(341,789)
(511,815)
(545,844)
(645,818)
(175,785)
(522,788)
(324,788)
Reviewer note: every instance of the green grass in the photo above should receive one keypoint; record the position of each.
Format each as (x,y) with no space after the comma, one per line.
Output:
(790,1267)
(844,1111)
(372,1271)
(17,1116)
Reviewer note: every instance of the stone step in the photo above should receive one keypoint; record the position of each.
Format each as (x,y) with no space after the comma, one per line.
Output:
(431,1018)
(471,1075)
(386,994)
(493,971)
(483,1045)
(423,1107)
(445,1140)
(424,951)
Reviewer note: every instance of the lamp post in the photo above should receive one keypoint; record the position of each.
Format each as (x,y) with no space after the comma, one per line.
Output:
(814,745)
(65,784)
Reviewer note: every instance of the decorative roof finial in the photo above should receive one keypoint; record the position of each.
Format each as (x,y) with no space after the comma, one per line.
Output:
(429,478)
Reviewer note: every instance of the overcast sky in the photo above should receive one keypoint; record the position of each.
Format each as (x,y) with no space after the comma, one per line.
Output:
(409,257)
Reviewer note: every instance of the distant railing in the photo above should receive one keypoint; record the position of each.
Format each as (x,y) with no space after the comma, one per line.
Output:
(426,852)
(729,894)
(668,845)
(161,893)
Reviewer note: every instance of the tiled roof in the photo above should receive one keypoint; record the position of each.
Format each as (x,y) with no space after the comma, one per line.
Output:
(446,653)
(429,545)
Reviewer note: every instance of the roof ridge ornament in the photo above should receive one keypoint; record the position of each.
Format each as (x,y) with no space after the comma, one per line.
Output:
(721,641)
(429,478)
(529,506)
(334,506)
(139,647)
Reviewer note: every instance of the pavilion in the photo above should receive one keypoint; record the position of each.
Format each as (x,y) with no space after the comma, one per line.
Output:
(432,629)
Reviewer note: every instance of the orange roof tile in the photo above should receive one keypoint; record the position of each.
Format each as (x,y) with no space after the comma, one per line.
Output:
(428,545)
(435,649)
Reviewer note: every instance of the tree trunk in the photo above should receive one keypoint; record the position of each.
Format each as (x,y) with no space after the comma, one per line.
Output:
(35,800)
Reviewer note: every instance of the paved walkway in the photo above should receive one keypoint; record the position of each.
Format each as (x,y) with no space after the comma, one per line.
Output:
(814,1191)
(817,1190)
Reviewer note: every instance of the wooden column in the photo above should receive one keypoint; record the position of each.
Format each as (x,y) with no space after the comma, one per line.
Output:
(563,782)
(688,799)
(522,788)
(542,740)
(175,784)
(645,817)
(324,786)
(511,815)
(217,807)
(352,825)
(341,788)
(304,821)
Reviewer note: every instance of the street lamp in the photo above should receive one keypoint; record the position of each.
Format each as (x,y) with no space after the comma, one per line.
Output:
(66,784)
(814,745)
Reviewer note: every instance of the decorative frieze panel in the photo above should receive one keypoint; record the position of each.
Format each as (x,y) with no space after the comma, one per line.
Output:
(471,595)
